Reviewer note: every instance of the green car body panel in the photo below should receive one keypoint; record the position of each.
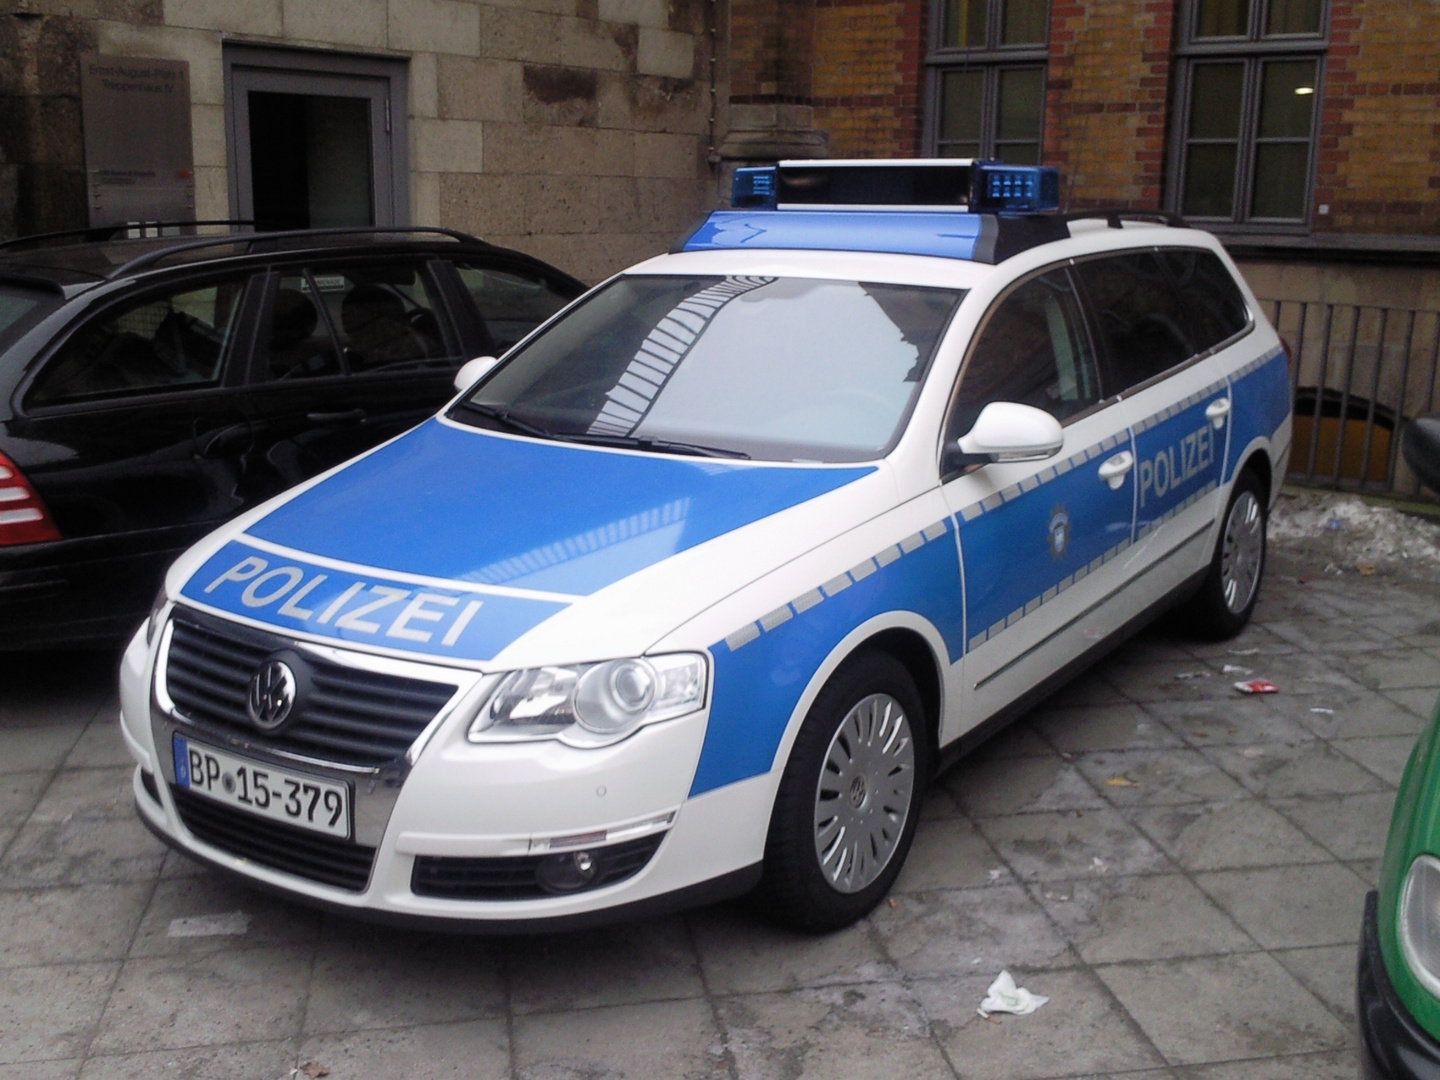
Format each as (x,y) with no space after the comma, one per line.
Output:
(1414,830)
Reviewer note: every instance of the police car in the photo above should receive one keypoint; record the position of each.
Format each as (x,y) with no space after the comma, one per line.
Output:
(697,588)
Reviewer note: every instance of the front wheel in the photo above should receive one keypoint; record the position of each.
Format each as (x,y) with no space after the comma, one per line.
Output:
(849,799)
(1232,584)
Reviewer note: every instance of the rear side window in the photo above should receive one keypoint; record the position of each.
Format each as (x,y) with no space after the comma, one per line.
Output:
(1032,350)
(511,302)
(1141,315)
(167,341)
(1217,308)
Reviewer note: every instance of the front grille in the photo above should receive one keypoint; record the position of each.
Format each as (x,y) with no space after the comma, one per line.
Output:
(270,843)
(514,877)
(350,716)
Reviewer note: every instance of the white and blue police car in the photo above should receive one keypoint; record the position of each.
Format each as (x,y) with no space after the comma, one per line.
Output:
(697,587)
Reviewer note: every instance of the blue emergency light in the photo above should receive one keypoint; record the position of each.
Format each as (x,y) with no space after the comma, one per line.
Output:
(930,184)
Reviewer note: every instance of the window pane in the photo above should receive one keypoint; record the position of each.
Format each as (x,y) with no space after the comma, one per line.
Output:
(1031,351)
(1026,22)
(1217,310)
(960,150)
(962,96)
(965,24)
(1022,99)
(511,303)
(1223,18)
(300,345)
(1280,180)
(1209,181)
(1287,99)
(1215,101)
(385,317)
(1293,17)
(1142,316)
(1018,153)
(167,342)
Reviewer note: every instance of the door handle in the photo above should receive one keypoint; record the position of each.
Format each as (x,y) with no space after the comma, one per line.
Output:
(1216,412)
(1113,471)
(352,416)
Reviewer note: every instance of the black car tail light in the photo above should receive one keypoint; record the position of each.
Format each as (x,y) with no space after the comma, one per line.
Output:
(23,517)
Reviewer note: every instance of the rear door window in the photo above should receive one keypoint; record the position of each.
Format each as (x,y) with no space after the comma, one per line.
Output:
(1141,314)
(512,302)
(172,340)
(1217,308)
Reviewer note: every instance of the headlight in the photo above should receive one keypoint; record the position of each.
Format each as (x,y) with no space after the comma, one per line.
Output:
(152,622)
(591,704)
(1420,921)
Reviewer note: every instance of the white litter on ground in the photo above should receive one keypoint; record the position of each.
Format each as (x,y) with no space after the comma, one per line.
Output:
(231,924)
(1005,997)
(1351,533)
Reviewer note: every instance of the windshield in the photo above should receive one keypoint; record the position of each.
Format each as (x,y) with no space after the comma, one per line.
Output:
(777,368)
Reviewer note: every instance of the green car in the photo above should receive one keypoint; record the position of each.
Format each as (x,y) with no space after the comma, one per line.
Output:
(1399,980)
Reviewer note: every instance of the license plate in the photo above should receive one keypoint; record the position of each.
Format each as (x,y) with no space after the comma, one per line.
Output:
(278,794)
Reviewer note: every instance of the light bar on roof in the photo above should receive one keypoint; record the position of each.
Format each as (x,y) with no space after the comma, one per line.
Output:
(933,184)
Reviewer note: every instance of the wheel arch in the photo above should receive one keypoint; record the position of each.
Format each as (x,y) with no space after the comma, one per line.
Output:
(905,635)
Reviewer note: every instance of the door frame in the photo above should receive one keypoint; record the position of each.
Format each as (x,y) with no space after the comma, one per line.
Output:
(306,71)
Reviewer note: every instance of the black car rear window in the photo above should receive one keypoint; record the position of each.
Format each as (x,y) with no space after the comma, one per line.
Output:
(19,307)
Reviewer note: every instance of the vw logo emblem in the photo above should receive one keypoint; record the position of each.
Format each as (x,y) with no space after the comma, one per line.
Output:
(272,695)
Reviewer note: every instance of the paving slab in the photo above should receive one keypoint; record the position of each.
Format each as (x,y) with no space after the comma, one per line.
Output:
(1288,906)
(835,1033)
(1223,1008)
(1147,918)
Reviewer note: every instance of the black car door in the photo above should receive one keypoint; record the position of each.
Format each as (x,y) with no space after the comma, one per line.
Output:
(133,429)
(350,354)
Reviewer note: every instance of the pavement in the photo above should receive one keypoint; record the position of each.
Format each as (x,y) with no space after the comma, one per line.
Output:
(1179,868)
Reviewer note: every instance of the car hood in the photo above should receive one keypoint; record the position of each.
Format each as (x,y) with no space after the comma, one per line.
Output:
(464,544)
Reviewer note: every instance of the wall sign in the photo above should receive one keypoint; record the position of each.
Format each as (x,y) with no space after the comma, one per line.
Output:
(139,163)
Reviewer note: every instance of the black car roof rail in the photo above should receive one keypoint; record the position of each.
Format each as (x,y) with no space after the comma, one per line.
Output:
(99,234)
(1116,216)
(256,241)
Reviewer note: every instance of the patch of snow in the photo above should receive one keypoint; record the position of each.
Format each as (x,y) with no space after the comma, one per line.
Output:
(1352,533)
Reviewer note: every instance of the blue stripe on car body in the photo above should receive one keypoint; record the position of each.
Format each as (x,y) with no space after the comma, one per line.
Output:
(1260,403)
(762,668)
(471,506)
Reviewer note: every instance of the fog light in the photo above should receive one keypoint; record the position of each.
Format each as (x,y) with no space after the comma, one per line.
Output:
(570,872)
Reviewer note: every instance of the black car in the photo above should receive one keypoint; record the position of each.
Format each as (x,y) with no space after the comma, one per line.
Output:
(151,388)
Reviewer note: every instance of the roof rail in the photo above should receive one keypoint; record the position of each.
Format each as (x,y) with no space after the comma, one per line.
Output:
(1116,217)
(99,234)
(258,241)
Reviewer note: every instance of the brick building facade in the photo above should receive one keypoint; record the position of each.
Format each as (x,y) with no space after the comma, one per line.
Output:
(591,131)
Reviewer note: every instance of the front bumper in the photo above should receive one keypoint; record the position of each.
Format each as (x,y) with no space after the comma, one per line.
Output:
(459,803)
(1392,1045)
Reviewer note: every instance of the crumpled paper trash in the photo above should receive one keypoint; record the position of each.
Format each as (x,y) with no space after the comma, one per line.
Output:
(1005,997)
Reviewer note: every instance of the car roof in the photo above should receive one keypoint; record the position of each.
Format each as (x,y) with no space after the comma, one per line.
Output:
(92,256)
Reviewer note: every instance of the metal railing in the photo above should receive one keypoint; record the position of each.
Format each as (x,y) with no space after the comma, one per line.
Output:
(1359,373)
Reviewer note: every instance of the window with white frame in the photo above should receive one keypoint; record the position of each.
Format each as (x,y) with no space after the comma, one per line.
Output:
(1245,109)
(986,79)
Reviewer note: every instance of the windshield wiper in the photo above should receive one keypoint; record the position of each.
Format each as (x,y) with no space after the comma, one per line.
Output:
(495,412)
(663,446)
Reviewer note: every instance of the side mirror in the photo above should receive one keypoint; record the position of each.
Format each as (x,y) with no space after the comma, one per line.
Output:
(470,372)
(1421,447)
(1006,431)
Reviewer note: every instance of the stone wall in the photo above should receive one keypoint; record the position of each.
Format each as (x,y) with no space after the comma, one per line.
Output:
(574,129)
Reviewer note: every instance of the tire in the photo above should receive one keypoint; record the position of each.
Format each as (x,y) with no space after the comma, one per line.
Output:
(867,723)
(1227,596)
